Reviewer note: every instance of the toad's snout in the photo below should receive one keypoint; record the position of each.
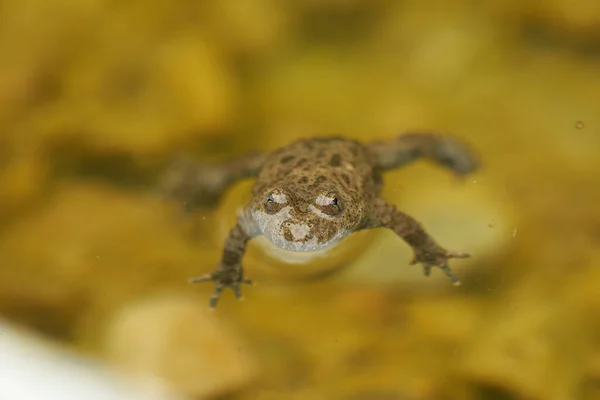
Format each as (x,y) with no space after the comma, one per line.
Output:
(295,232)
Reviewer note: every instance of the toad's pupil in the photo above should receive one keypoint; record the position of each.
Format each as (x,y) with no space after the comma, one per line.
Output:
(333,202)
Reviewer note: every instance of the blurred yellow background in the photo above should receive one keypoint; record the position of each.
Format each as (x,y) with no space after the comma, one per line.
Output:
(98,96)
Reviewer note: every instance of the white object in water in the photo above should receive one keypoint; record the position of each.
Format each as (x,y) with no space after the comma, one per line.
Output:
(30,370)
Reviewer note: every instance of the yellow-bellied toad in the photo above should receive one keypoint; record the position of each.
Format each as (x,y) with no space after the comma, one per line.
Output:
(313,193)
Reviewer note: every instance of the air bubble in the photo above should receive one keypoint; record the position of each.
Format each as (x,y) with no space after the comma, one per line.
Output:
(579,125)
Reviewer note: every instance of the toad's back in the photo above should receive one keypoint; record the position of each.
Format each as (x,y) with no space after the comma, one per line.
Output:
(310,163)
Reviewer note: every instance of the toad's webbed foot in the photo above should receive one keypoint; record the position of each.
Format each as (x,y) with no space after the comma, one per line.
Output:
(230,272)
(454,155)
(438,258)
(224,277)
(444,150)
(426,251)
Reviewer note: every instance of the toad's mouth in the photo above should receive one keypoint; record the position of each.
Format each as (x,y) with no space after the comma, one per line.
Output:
(293,252)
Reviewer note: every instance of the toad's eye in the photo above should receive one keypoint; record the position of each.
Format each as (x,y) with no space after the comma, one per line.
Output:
(327,199)
(276,196)
(329,204)
(275,201)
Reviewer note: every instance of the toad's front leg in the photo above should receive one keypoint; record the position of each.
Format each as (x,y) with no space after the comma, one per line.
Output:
(230,272)
(426,251)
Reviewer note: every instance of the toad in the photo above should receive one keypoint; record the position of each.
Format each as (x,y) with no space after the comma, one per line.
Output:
(313,193)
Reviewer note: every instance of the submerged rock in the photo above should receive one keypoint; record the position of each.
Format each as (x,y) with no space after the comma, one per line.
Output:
(178,341)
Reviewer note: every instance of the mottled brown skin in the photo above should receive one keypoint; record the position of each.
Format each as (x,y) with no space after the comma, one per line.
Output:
(311,194)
